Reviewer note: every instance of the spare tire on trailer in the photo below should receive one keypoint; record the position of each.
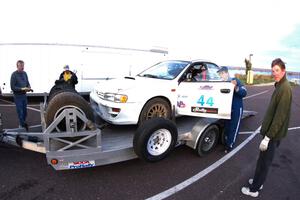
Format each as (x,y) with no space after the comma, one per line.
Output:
(154,139)
(66,100)
(59,87)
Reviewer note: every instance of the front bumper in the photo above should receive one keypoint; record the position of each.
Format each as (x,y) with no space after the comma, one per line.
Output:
(128,114)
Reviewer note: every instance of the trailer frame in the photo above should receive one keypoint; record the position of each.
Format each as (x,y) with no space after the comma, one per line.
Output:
(75,149)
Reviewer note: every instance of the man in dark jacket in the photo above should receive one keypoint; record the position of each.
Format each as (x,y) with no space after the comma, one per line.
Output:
(232,126)
(20,85)
(274,127)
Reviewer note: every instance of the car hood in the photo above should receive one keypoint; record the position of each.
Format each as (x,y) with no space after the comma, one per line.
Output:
(121,85)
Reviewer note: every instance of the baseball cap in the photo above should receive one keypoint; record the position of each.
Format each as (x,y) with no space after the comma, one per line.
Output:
(66,67)
(223,69)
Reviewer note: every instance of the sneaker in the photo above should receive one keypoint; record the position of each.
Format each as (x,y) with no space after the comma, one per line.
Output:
(246,191)
(227,149)
(250,181)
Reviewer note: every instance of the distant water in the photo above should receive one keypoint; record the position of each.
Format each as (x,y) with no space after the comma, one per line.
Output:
(293,75)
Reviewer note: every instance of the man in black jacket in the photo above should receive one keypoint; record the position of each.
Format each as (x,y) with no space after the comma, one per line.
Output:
(274,127)
(68,77)
(20,85)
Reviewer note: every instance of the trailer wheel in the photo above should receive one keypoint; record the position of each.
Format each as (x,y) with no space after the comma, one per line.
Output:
(222,136)
(156,107)
(208,140)
(154,139)
(66,100)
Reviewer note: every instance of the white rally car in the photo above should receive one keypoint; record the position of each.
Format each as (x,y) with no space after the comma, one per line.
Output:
(169,88)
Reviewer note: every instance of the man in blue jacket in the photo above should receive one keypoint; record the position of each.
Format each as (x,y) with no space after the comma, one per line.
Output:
(20,85)
(232,126)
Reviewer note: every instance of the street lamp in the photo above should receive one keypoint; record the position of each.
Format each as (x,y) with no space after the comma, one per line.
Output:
(249,73)
(250,55)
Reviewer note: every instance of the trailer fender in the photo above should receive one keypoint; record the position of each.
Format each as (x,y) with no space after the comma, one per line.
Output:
(198,130)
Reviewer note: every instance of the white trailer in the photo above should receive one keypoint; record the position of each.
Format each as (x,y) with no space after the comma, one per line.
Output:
(44,62)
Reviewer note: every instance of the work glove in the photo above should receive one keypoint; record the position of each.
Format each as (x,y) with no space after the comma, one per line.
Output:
(264,143)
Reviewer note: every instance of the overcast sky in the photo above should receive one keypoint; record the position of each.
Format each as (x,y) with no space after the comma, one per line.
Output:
(224,31)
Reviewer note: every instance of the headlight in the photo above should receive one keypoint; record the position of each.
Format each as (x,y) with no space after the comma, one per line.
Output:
(118,98)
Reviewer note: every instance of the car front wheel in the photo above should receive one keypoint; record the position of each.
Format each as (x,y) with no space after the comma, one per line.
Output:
(157,107)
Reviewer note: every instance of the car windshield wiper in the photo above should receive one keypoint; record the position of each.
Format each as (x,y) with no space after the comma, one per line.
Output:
(150,76)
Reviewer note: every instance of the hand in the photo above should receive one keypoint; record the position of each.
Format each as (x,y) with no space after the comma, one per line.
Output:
(27,89)
(234,82)
(264,143)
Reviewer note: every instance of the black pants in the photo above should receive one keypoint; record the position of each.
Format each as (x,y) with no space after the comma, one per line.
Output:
(263,164)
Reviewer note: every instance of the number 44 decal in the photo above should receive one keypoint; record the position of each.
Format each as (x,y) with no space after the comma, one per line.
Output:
(209,101)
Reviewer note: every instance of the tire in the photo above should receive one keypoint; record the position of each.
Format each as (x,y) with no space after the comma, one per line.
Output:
(222,131)
(208,140)
(59,88)
(65,100)
(155,139)
(154,108)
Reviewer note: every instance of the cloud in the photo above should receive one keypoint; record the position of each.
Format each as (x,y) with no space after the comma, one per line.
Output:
(223,31)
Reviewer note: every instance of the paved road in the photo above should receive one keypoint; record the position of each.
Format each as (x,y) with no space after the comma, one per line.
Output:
(26,175)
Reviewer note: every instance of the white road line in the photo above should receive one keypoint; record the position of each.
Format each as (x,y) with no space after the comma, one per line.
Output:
(250,132)
(16,129)
(212,167)
(254,95)
(294,128)
(34,109)
(204,172)
(5,101)
(246,133)
(209,169)
(12,104)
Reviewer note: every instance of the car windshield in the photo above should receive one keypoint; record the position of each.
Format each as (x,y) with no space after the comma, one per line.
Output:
(165,70)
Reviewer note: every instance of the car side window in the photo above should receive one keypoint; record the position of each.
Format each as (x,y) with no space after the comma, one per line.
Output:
(212,72)
(203,72)
(200,73)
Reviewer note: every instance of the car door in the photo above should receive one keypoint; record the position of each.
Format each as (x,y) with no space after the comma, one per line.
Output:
(204,94)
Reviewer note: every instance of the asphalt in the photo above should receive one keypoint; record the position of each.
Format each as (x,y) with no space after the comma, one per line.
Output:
(26,175)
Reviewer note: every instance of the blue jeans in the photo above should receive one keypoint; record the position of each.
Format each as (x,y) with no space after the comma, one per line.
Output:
(21,106)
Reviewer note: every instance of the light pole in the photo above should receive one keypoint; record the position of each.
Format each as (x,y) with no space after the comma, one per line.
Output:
(250,55)
(249,71)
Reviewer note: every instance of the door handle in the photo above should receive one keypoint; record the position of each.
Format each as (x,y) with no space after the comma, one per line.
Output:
(225,90)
